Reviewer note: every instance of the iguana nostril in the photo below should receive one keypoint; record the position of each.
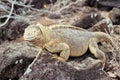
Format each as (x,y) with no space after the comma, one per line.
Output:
(29,33)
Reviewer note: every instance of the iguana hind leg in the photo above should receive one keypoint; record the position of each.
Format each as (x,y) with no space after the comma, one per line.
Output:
(55,47)
(93,46)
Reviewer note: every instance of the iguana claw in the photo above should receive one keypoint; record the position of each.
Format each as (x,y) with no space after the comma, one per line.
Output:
(58,58)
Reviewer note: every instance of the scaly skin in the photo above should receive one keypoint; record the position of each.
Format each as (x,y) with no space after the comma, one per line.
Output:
(66,40)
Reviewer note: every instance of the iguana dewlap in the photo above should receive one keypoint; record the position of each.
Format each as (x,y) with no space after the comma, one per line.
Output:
(66,40)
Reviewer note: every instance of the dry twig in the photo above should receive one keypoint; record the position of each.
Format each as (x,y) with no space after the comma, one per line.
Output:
(10,13)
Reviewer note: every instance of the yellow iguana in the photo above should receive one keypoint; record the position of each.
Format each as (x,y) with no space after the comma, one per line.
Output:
(67,40)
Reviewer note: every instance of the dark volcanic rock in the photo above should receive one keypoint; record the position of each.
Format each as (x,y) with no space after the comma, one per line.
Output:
(40,3)
(14,59)
(104,25)
(114,15)
(103,4)
(47,68)
(13,31)
(87,20)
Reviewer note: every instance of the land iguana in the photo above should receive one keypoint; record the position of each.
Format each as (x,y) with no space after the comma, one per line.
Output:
(67,40)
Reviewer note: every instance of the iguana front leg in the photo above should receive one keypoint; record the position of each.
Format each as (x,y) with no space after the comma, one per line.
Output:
(93,46)
(55,47)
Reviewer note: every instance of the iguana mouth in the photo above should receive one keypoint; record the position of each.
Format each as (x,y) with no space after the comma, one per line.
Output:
(32,41)
(29,38)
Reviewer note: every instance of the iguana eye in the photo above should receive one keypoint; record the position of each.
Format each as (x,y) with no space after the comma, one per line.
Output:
(34,31)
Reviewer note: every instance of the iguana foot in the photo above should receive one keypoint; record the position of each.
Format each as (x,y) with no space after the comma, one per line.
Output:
(58,58)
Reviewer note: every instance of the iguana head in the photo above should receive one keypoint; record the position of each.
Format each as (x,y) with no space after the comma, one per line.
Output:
(36,34)
(33,32)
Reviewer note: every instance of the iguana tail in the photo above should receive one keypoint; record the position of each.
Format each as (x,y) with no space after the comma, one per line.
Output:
(101,36)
